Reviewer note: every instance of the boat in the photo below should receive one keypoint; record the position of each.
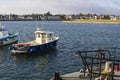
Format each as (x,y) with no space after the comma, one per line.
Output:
(6,37)
(100,64)
(44,40)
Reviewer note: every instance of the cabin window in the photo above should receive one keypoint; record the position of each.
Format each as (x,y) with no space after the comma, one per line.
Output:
(43,35)
(5,33)
(38,35)
(50,35)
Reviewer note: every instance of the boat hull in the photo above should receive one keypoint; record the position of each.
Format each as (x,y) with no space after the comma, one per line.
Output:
(9,40)
(35,48)
(8,43)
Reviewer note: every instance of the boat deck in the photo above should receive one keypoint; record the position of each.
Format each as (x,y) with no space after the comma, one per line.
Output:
(77,76)
(31,43)
(98,65)
(74,76)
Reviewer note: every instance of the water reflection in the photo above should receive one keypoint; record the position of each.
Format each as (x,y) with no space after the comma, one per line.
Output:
(38,57)
(3,54)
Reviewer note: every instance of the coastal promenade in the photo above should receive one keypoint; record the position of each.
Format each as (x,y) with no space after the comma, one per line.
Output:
(94,21)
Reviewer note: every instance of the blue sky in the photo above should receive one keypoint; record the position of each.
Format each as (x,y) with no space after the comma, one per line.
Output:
(60,6)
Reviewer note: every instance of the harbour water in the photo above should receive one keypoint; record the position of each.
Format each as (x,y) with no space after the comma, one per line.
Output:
(73,37)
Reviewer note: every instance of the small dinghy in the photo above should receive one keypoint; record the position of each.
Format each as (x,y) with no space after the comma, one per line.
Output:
(7,38)
(44,40)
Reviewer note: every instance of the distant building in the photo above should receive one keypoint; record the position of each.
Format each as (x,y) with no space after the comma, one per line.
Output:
(0,17)
(13,17)
(20,17)
(69,17)
(53,17)
(114,18)
(27,18)
(5,17)
(43,18)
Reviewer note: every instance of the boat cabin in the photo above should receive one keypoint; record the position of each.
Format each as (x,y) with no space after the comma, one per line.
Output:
(3,32)
(43,37)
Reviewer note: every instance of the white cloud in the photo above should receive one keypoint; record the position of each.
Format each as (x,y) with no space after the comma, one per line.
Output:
(60,6)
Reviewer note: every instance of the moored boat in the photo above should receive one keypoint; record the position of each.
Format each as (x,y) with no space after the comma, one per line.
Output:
(44,40)
(6,37)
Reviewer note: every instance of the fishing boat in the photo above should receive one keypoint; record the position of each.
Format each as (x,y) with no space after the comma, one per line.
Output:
(98,64)
(44,40)
(6,37)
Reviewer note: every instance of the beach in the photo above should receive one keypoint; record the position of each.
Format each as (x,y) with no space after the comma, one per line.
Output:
(93,21)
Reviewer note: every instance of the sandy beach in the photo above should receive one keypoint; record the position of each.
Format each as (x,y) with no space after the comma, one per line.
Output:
(94,21)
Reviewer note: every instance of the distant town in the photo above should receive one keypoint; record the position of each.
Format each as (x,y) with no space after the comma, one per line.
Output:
(59,17)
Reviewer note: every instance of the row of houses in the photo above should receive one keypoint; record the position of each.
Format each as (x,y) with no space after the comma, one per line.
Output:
(93,17)
(30,17)
(50,17)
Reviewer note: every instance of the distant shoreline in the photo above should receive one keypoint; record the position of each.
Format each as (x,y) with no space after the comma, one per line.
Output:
(94,21)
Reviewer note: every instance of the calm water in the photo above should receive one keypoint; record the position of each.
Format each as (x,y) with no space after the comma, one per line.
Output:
(73,37)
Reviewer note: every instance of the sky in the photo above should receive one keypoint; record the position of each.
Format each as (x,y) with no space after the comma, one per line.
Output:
(60,6)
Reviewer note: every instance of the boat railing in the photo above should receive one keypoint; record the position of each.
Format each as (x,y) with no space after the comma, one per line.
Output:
(97,59)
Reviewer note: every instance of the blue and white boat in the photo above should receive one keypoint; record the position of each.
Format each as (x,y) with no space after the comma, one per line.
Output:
(7,38)
(44,40)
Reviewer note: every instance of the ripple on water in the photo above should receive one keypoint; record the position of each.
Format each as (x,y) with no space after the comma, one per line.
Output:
(73,37)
